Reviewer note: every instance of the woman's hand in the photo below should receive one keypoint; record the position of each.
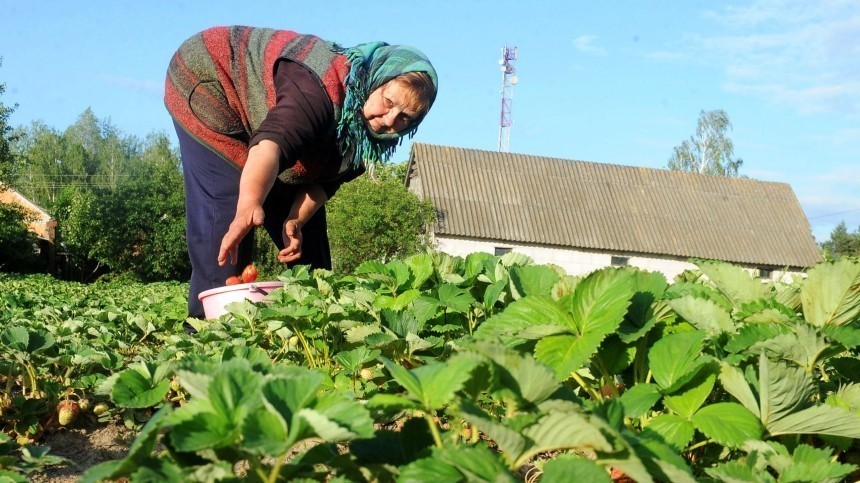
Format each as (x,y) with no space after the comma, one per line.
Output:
(257,179)
(292,242)
(245,220)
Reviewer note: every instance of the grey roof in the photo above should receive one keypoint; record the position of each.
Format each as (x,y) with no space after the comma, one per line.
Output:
(532,199)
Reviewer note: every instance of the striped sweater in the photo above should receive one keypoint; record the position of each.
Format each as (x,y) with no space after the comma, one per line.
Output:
(220,83)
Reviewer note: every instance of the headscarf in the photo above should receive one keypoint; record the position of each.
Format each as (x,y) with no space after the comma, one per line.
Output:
(371,65)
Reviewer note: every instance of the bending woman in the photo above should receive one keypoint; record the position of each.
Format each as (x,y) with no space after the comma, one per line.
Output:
(270,124)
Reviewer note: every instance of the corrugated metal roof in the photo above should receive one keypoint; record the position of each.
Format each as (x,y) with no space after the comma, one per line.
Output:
(551,201)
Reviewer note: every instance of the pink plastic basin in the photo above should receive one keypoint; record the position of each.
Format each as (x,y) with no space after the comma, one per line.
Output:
(214,300)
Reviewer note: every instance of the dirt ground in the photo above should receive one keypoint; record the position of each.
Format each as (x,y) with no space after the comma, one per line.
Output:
(87,444)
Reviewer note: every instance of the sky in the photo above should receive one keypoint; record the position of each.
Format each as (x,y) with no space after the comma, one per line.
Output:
(619,82)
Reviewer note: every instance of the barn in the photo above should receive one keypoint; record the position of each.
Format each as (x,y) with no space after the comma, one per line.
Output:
(582,216)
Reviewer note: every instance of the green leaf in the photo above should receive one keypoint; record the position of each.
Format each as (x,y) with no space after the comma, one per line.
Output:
(564,469)
(517,374)
(454,298)
(133,389)
(692,395)
(737,471)
(421,266)
(734,382)
(675,358)
(397,448)
(533,279)
(730,424)
(291,392)
(235,391)
(522,314)
(203,431)
(561,430)
(428,469)
(706,315)
(783,389)
(639,399)
(734,282)
(353,360)
(433,385)
(391,403)
(674,430)
(822,419)
(510,442)
(265,433)
(477,463)
(831,293)
(597,308)
(749,334)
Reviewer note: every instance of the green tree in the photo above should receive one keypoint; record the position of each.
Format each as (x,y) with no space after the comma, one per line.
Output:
(138,227)
(16,241)
(376,219)
(710,151)
(841,243)
(6,138)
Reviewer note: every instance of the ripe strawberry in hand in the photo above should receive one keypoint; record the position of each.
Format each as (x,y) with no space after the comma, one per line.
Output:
(249,274)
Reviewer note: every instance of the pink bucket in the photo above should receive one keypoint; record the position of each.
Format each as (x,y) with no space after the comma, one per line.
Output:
(214,300)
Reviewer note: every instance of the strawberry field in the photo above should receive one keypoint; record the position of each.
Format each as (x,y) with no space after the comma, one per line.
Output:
(434,368)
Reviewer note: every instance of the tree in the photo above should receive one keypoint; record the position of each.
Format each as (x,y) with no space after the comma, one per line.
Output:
(137,227)
(16,241)
(376,219)
(841,243)
(6,138)
(710,151)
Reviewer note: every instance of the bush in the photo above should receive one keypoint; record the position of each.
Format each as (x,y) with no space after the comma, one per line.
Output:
(17,243)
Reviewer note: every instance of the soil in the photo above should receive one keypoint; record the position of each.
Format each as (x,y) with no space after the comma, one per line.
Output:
(86,444)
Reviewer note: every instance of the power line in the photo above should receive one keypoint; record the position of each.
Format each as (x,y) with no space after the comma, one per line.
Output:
(834,214)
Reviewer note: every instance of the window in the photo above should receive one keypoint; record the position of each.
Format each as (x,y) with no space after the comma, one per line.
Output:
(765,273)
(620,261)
(499,251)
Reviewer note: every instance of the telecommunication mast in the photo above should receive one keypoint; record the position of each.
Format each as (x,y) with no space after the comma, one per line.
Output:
(509,78)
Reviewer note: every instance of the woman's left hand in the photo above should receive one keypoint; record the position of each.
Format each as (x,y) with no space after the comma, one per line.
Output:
(292,242)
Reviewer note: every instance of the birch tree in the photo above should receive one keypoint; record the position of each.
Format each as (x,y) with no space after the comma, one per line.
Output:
(710,151)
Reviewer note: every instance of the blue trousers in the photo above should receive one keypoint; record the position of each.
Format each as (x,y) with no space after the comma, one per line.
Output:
(211,194)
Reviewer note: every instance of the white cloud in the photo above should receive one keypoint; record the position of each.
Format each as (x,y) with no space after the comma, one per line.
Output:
(798,53)
(585,44)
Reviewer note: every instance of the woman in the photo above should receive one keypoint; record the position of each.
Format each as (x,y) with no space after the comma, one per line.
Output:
(270,124)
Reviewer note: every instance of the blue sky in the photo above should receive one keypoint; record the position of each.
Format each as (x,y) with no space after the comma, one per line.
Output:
(619,83)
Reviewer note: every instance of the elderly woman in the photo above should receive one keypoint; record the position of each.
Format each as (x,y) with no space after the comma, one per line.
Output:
(270,123)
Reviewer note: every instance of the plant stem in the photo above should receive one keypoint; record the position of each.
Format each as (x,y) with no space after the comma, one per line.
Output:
(434,430)
(591,392)
(699,445)
(311,361)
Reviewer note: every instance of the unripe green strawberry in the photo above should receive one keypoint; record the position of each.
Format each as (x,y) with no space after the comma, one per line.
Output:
(84,404)
(67,412)
(174,384)
(100,408)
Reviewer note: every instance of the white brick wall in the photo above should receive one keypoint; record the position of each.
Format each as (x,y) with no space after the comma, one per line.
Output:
(576,262)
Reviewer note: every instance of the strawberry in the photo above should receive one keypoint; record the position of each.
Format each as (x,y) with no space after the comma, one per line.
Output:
(249,274)
(234,280)
(67,412)
(100,408)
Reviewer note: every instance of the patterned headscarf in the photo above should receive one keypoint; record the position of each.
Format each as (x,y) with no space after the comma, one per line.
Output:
(371,65)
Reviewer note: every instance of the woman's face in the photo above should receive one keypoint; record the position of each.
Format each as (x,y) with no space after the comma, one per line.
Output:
(387,109)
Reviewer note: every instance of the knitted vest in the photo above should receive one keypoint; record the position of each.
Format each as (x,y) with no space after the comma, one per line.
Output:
(220,83)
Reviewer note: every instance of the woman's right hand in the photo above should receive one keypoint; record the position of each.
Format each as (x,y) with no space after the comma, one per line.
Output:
(257,179)
(245,220)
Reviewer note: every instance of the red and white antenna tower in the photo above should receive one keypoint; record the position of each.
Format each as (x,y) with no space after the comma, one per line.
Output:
(509,78)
